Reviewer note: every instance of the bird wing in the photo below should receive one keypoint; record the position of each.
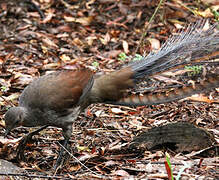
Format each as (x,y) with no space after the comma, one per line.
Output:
(58,91)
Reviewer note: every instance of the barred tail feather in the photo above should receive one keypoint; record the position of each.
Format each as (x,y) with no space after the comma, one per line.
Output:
(211,81)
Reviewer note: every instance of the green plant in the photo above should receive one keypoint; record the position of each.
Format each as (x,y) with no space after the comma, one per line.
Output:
(216,14)
(186,165)
(3,88)
(194,70)
(95,64)
(168,167)
(122,56)
(137,57)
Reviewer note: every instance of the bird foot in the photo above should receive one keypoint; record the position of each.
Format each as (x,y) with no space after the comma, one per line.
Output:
(22,144)
(60,159)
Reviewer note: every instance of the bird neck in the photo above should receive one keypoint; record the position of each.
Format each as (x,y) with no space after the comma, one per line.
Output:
(31,118)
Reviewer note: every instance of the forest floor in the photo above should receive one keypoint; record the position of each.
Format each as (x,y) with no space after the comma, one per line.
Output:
(99,35)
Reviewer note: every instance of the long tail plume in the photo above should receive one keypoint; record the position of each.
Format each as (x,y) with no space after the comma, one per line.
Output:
(193,45)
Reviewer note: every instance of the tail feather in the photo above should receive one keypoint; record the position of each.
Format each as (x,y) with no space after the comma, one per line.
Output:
(193,45)
(211,81)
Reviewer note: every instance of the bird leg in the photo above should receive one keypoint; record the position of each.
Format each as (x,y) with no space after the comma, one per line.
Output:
(24,140)
(60,156)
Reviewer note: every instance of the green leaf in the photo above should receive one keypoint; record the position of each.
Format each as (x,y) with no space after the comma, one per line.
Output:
(137,57)
(95,64)
(168,167)
(3,88)
(122,56)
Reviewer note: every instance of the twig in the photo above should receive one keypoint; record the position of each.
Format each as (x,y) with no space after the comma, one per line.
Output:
(146,27)
(99,175)
(33,176)
(7,101)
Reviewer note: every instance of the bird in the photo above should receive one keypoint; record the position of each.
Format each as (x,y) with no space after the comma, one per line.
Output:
(57,99)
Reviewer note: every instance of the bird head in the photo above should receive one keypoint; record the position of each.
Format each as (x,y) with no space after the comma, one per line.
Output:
(14,117)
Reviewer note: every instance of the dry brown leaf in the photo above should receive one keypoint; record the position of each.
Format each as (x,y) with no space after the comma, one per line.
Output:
(155,44)
(166,79)
(74,168)
(24,79)
(137,124)
(107,38)
(175,73)
(83,148)
(199,120)
(77,42)
(34,14)
(121,173)
(210,1)
(6,141)
(44,49)
(99,113)
(118,111)
(86,21)
(12,97)
(110,163)
(208,12)
(65,58)
(48,152)
(51,65)
(49,42)
(49,15)
(202,98)
(125,46)
(90,40)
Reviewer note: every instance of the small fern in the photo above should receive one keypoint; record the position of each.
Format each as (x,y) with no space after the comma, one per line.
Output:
(194,70)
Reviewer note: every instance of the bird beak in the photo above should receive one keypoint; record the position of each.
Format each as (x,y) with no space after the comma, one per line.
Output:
(8,129)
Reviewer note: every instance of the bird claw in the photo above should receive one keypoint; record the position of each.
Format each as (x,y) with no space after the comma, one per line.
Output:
(24,141)
(60,158)
(21,146)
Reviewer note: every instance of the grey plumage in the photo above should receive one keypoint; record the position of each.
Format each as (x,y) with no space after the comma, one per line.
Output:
(184,48)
